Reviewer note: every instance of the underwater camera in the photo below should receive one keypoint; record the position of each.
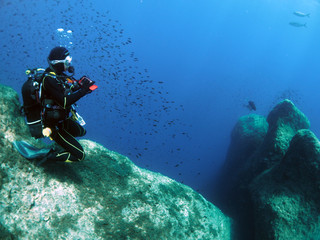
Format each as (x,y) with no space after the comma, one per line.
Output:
(86,79)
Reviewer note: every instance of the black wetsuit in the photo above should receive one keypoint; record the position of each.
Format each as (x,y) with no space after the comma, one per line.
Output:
(57,98)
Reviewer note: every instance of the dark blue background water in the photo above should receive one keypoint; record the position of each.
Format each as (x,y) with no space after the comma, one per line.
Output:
(173,75)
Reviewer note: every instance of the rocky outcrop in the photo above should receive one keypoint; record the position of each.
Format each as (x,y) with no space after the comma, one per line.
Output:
(246,137)
(284,122)
(286,197)
(104,197)
(276,191)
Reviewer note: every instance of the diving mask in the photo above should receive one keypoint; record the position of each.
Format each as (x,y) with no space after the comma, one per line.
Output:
(66,62)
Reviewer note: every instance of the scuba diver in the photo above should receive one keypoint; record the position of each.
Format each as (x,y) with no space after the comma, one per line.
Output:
(58,93)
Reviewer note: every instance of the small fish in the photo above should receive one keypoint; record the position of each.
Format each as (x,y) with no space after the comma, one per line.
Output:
(252,106)
(301,14)
(296,24)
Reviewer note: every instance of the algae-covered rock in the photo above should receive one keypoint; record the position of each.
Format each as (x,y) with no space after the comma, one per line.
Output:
(286,198)
(4,234)
(246,137)
(104,197)
(260,197)
(12,123)
(284,122)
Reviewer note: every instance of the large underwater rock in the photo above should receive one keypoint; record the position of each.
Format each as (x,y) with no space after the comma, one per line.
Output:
(286,197)
(284,122)
(246,136)
(276,191)
(104,197)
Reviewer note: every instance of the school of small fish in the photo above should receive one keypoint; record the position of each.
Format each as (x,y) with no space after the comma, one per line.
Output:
(131,102)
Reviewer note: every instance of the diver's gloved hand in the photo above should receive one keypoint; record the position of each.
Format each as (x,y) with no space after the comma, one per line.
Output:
(85,84)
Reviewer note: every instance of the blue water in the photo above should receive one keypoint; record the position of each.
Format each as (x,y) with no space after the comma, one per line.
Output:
(173,75)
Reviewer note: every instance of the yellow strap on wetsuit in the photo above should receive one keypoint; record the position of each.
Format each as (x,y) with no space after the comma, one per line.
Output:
(74,115)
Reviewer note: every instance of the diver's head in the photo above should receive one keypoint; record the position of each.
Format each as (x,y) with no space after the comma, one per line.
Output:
(59,60)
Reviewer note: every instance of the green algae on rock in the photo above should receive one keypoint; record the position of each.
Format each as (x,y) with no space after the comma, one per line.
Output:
(287,197)
(284,121)
(275,193)
(247,135)
(104,197)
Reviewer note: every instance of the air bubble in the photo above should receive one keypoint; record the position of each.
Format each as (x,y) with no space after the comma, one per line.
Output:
(64,38)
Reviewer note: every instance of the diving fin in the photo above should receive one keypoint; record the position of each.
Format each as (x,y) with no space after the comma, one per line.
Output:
(29,151)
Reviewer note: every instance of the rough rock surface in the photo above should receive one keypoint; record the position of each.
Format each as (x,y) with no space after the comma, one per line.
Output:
(286,197)
(246,137)
(284,122)
(104,197)
(276,193)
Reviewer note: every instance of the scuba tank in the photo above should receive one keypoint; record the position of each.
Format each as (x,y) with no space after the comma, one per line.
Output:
(31,101)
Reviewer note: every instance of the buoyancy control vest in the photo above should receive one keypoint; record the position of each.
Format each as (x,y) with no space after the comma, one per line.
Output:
(53,113)
(34,103)
(39,109)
